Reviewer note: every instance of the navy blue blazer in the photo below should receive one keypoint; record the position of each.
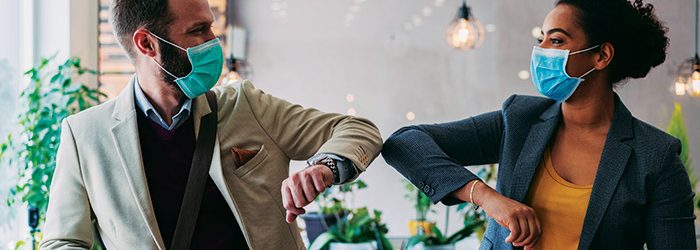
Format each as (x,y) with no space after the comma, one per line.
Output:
(641,193)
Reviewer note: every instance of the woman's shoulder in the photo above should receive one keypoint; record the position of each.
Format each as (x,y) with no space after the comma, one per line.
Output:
(524,106)
(653,142)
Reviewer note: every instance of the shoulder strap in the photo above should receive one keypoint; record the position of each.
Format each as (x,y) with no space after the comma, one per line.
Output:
(199,171)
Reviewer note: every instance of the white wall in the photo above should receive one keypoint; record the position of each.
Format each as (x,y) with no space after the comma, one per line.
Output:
(310,57)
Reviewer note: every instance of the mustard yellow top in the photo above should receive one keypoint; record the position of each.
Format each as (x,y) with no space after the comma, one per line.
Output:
(560,207)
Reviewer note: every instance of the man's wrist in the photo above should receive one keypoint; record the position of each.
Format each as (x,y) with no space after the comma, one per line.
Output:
(344,168)
(329,162)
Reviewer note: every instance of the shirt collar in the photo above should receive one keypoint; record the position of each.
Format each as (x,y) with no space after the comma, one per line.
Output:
(147,108)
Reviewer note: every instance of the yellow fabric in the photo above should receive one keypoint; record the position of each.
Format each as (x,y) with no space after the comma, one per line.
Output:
(560,207)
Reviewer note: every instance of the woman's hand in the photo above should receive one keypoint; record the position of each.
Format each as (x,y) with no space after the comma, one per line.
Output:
(520,219)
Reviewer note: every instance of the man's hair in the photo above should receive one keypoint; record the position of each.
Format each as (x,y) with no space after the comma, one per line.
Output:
(131,15)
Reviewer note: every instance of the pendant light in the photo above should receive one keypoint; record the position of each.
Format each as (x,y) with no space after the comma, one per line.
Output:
(688,80)
(465,32)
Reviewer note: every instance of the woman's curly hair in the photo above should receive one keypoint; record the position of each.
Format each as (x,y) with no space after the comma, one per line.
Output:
(637,35)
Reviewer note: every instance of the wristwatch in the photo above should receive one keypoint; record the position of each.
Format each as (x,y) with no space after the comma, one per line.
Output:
(329,162)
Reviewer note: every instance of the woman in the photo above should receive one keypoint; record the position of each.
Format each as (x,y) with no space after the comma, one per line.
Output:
(576,169)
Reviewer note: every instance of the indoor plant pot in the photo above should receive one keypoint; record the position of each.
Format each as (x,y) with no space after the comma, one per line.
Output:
(422,246)
(372,245)
(414,225)
(318,223)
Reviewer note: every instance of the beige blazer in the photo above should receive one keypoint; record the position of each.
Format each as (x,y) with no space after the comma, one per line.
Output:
(100,177)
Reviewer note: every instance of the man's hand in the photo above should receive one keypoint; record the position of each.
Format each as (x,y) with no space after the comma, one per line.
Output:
(301,188)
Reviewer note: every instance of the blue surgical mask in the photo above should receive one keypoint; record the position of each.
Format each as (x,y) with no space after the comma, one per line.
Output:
(548,68)
(207,60)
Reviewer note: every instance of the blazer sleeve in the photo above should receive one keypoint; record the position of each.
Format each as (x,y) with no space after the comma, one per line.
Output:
(433,156)
(68,217)
(669,221)
(301,133)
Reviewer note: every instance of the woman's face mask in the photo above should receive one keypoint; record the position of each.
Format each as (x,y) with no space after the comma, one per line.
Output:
(548,69)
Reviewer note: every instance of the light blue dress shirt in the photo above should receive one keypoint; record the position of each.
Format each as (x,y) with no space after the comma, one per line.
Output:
(147,108)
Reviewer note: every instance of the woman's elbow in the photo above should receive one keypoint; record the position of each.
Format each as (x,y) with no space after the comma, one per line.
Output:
(398,143)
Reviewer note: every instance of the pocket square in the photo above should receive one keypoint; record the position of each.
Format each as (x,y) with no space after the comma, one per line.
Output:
(242,156)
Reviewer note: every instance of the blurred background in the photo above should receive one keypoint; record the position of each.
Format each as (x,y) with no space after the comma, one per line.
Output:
(391,61)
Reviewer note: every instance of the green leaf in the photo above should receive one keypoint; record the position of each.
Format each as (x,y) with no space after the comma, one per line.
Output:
(463,233)
(676,128)
(45,103)
(323,241)
(436,231)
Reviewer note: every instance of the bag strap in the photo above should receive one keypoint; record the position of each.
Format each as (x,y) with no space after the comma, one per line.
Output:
(199,173)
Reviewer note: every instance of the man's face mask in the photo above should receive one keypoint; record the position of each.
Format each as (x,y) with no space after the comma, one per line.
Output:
(548,68)
(206,62)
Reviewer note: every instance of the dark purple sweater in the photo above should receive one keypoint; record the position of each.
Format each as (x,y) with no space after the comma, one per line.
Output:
(167,158)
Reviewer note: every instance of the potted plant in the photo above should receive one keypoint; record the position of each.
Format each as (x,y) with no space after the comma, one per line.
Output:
(52,95)
(676,128)
(332,208)
(422,205)
(359,230)
(436,240)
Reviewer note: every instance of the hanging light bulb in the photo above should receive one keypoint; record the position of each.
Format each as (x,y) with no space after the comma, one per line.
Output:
(688,80)
(465,32)
(694,80)
(680,87)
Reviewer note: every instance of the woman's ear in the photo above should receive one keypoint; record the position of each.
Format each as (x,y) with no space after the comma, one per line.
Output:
(604,56)
(144,43)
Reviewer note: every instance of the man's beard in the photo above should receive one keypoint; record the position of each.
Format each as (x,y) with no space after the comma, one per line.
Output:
(175,61)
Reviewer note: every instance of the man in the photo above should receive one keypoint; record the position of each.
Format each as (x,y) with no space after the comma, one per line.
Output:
(123,166)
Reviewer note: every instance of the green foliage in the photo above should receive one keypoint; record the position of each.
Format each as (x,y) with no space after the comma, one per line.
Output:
(51,96)
(436,238)
(676,128)
(421,202)
(358,227)
(335,198)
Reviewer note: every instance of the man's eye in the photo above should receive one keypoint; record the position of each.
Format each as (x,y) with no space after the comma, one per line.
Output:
(197,30)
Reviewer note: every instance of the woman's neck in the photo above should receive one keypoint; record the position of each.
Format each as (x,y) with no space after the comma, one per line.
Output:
(591,109)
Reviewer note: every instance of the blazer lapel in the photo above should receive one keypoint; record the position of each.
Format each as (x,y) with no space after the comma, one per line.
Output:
(531,154)
(125,136)
(612,164)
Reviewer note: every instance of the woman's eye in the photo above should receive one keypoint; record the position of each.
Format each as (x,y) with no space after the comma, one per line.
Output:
(539,40)
(556,41)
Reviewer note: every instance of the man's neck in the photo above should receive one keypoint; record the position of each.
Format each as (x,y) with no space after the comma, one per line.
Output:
(164,97)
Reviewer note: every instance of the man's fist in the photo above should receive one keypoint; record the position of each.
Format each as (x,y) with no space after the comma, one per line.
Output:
(301,188)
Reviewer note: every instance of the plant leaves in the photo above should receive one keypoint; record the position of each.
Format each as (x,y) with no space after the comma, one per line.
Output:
(323,241)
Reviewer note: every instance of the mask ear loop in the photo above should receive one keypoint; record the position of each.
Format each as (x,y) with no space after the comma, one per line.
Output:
(584,50)
(166,41)
(154,60)
(585,74)
(161,67)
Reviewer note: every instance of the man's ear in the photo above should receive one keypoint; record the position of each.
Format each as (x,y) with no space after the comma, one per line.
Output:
(606,52)
(144,43)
